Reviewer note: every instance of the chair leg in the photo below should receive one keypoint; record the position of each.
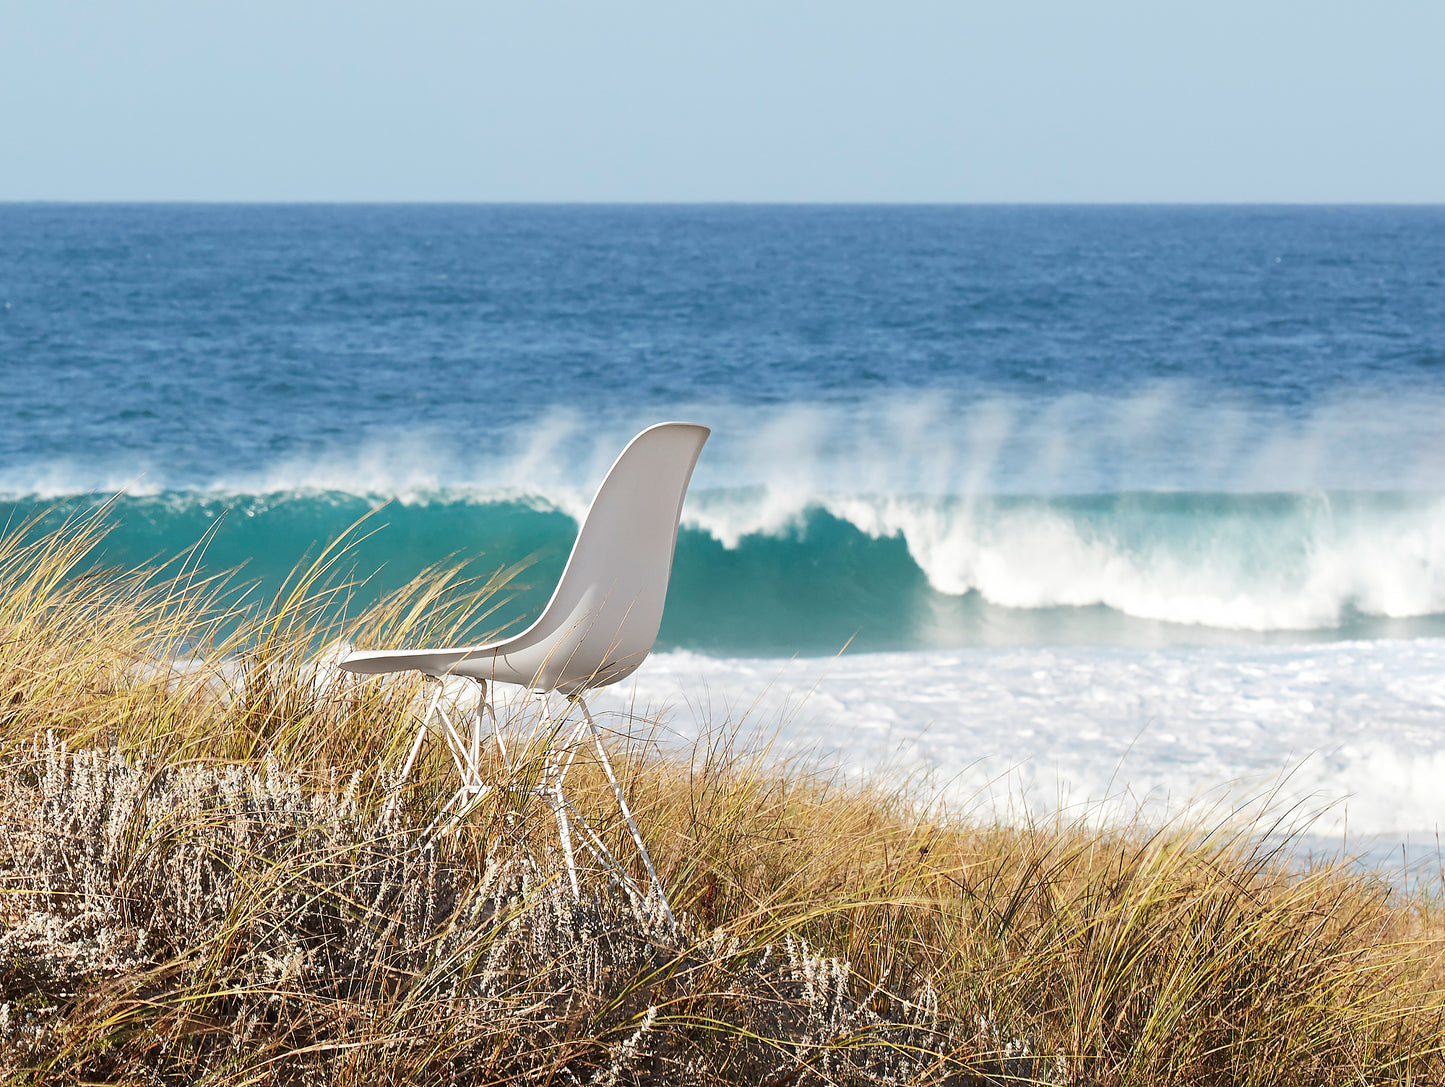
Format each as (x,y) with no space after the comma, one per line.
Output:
(626,811)
(468,767)
(551,793)
(598,848)
(562,808)
(466,754)
(410,763)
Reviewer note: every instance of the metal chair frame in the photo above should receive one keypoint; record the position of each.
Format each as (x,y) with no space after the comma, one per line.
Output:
(466,752)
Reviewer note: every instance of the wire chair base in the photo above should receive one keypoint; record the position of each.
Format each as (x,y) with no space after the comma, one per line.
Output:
(556,752)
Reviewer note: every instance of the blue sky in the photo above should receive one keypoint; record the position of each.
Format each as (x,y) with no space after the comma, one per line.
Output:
(1028,100)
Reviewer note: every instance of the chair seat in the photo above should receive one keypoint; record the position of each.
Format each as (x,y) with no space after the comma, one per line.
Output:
(492,664)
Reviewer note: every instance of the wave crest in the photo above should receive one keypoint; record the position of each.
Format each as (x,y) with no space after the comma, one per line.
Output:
(1233,562)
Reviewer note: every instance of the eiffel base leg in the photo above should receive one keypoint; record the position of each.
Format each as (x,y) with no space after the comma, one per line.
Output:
(657,888)
(572,827)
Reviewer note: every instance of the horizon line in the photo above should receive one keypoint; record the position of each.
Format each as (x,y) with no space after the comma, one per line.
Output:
(352,202)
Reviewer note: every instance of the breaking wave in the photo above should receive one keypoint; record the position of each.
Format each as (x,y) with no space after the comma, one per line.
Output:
(760,573)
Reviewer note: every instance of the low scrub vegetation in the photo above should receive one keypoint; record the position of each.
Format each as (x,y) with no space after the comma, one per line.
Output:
(202,881)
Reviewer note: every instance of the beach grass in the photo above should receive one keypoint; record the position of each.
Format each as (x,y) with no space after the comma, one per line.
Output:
(201,881)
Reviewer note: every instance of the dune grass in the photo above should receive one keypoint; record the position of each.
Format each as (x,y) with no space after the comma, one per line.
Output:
(200,882)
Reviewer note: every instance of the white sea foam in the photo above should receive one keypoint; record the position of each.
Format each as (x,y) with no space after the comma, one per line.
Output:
(1295,573)
(1352,730)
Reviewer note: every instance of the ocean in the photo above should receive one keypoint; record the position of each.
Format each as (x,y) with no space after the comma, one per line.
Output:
(1051,510)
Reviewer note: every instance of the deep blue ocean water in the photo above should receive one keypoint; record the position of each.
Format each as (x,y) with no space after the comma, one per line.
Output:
(934,427)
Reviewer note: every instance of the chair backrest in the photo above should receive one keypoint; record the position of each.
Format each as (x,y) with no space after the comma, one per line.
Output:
(604,614)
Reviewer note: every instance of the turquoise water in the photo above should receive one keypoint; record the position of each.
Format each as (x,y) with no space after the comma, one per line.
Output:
(1110,569)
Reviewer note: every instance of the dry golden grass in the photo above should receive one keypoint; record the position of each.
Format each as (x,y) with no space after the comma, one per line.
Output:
(1191,953)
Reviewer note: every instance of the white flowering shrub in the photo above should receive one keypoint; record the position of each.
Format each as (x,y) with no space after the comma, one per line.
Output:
(198,924)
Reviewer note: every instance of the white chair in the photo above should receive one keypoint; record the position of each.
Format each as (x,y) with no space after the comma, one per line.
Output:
(598,627)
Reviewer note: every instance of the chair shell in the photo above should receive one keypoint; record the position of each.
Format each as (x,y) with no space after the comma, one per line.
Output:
(604,615)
